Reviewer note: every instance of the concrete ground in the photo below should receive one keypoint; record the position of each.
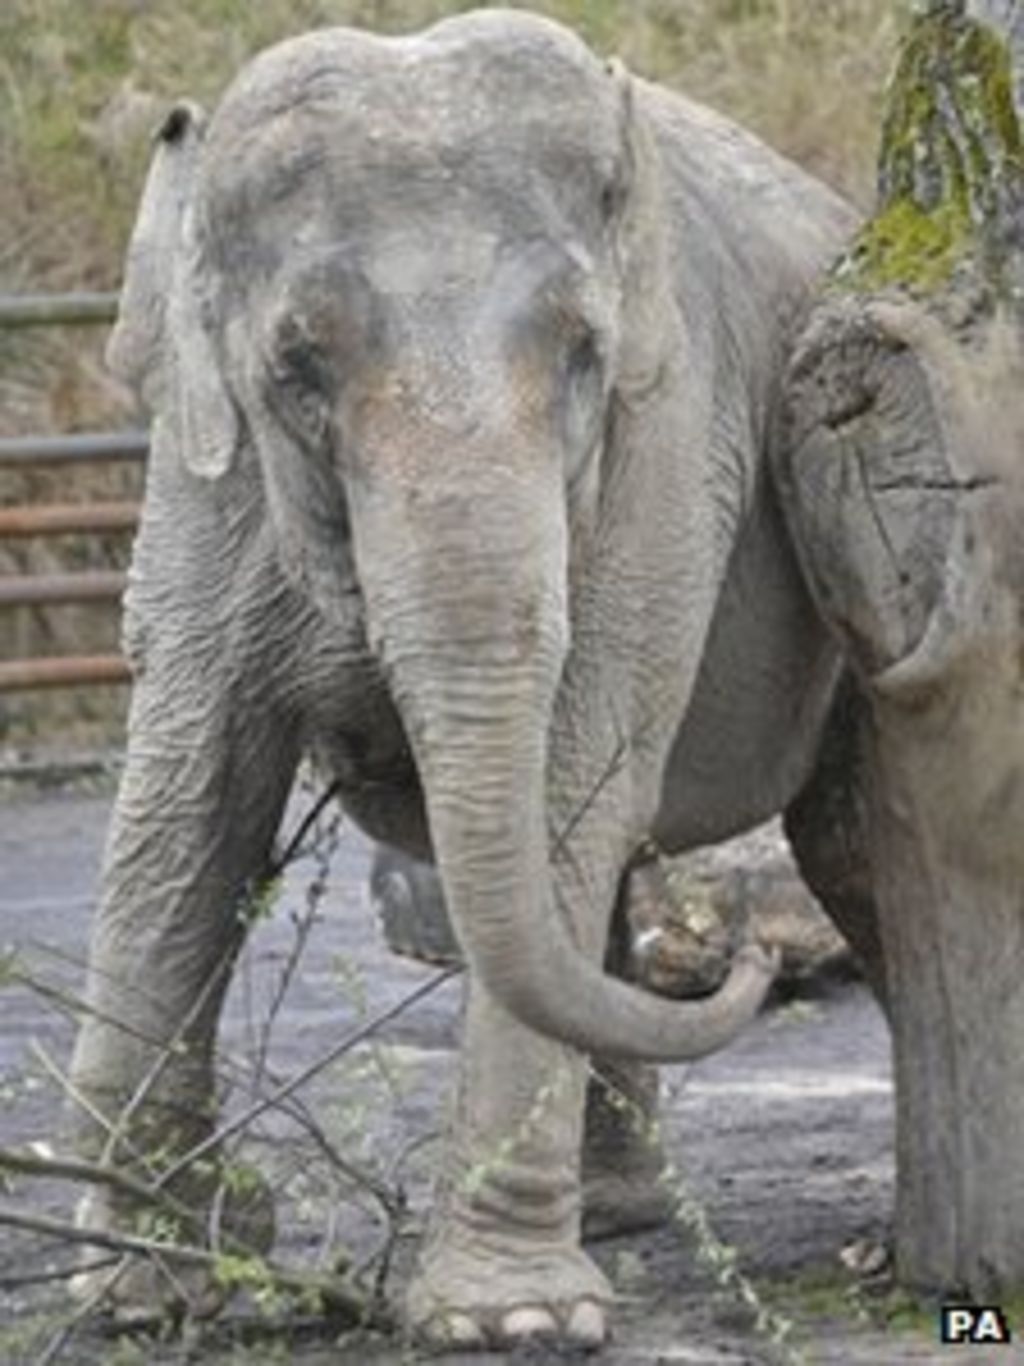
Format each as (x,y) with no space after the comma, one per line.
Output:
(784,1141)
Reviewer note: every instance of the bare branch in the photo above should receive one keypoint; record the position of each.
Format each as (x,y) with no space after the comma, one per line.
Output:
(294,846)
(84,1311)
(315,891)
(117,1133)
(64,1273)
(333,1293)
(77,1169)
(74,1006)
(280,1093)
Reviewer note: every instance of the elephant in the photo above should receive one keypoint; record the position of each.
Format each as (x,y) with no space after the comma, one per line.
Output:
(462,350)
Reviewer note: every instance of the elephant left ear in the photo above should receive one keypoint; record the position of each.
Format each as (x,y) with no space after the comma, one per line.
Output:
(209,421)
(162,342)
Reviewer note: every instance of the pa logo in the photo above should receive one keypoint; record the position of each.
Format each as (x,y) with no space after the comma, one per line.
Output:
(974,1323)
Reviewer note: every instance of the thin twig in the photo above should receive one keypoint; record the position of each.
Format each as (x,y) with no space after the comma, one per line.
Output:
(76,1006)
(152,1075)
(98,1174)
(64,1273)
(77,1169)
(105,1174)
(611,768)
(315,891)
(83,1102)
(332,1291)
(280,1093)
(380,1190)
(82,964)
(293,847)
(213,979)
(84,1311)
(68,1087)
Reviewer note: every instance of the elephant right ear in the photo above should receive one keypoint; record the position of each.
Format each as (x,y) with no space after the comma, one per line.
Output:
(641,241)
(161,344)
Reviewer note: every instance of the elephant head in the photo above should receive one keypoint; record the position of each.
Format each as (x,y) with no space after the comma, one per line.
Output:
(417,289)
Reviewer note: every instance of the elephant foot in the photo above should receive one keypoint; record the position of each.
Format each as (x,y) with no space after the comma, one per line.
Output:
(617,1203)
(480,1295)
(141,1294)
(145,1291)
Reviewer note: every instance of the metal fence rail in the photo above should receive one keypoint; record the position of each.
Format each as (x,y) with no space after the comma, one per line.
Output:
(28,451)
(60,519)
(51,310)
(25,675)
(31,452)
(45,590)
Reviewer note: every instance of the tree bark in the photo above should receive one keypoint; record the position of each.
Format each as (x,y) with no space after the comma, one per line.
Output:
(901,460)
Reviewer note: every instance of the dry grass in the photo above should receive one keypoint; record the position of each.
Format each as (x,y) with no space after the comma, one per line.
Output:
(82,84)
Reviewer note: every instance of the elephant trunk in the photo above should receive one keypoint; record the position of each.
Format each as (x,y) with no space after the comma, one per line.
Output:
(470,623)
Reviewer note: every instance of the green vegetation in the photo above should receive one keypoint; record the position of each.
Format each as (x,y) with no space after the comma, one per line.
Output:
(832,1296)
(951,165)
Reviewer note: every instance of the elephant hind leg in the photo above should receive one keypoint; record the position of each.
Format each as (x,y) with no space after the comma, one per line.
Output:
(622,1155)
(623,1160)
(826,825)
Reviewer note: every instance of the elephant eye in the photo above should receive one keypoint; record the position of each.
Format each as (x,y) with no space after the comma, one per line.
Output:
(299,384)
(583,360)
(612,197)
(298,359)
(582,396)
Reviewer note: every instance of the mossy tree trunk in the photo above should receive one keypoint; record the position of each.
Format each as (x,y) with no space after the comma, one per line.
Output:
(902,461)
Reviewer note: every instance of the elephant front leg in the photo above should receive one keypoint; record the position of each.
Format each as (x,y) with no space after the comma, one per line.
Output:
(502,1261)
(195,817)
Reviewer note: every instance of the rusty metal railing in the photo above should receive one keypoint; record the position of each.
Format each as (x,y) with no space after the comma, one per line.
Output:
(58,519)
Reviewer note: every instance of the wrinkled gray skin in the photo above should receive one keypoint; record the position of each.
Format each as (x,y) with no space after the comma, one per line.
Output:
(461,351)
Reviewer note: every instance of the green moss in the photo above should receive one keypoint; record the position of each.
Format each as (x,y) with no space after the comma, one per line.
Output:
(903,245)
(951,165)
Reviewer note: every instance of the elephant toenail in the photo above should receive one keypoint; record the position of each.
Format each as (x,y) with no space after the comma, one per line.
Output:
(586,1324)
(136,1315)
(528,1322)
(456,1330)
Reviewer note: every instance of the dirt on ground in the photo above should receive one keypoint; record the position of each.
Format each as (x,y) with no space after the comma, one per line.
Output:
(783,1143)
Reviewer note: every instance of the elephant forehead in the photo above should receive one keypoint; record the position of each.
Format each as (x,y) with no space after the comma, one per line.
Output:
(509,103)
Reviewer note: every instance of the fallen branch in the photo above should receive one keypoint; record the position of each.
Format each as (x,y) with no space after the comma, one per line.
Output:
(63,1273)
(67,1331)
(282,1092)
(78,1169)
(334,1295)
